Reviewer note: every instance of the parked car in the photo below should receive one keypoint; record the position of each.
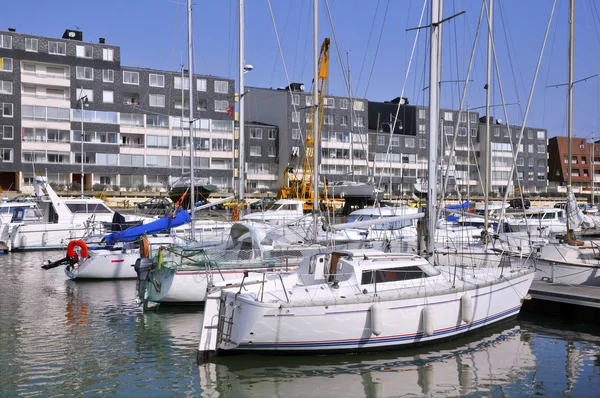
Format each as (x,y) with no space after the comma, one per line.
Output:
(516,203)
(233,203)
(155,204)
(262,204)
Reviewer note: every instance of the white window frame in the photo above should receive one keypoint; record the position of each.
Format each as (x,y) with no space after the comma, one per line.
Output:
(178,82)
(295,99)
(82,71)
(4,63)
(295,117)
(359,106)
(272,151)
(156,100)
(203,101)
(159,80)
(81,51)
(328,119)
(221,105)
(395,141)
(296,134)
(6,87)
(108,54)
(380,140)
(221,86)
(272,134)
(448,116)
(343,120)
(421,113)
(343,103)
(86,92)
(29,44)
(12,110)
(11,157)
(201,85)
(131,74)
(5,134)
(59,46)
(329,102)
(108,75)
(256,133)
(255,150)
(409,142)
(108,97)
(6,41)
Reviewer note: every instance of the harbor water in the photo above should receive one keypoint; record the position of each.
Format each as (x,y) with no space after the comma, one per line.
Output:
(65,338)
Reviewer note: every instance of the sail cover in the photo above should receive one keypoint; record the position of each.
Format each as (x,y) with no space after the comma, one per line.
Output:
(574,214)
(154,227)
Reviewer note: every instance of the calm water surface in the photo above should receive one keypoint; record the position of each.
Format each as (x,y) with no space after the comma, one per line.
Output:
(65,338)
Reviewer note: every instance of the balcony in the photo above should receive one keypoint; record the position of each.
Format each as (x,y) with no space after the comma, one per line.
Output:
(46,79)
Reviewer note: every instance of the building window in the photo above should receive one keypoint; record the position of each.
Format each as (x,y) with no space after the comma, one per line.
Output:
(177,83)
(272,134)
(221,87)
(496,131)
(541,135)
(343,103)
(344,120)
(395,141)
(541,148)
(380,140)
(473,132)
(295,117)
(7,155)
(84,73)
(463,117)
(57,47)
(6,41)
(272,151)
(359,106)
(530,148)
(308,101)
(408,142)
(329,103)
(202,104)
(157,100)
(31,45)
(531,162)
(421,113)
(295,134)
(200,84)
(328,119)
(520,175)
(131,77)
(85,92)
(7,110)
(84,51)
(256,133)
(520,161)
(255,151)
(6,87)
(448,116)
(358,121)
(462,131)
(422,143)
(108,75)
(448,130)
(108,54)
(6,64)
(7,132)
(108,97)
(506,133)
(295,99)
(157,80)
(473,117)
(221,105)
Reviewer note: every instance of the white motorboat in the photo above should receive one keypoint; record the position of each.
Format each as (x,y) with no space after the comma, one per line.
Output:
(59,221)
(354,300)
(183,274)
(283,212)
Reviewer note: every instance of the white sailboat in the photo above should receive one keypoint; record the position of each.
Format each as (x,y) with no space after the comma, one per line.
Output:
(354,300)
(570,261)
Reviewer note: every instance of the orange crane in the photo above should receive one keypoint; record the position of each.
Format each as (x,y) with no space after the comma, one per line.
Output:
(297,186)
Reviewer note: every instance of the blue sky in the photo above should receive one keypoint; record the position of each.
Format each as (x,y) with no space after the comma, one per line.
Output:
(152,33)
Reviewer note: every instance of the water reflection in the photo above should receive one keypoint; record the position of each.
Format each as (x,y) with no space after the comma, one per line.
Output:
(486,363)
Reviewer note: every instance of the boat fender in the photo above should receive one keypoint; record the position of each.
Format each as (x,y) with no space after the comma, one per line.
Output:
(376,319)
(466,308)
(71,249)
(145,247)
(71,234)
(427,320)
(44,238)
(23,241)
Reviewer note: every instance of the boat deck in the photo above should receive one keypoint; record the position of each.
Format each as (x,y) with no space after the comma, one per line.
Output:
(582,302)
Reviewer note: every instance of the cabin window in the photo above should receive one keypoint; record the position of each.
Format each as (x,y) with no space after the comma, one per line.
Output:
(392,275)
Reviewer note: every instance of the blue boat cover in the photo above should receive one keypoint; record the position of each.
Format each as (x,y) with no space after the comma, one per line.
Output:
(154,227)
(457,207)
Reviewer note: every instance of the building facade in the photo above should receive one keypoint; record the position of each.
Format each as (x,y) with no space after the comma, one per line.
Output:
(57,92)
(585,165)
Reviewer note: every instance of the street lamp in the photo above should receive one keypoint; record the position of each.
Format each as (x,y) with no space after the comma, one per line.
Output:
(83,100)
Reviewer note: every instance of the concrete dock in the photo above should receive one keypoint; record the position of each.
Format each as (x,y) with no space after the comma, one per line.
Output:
(582,302)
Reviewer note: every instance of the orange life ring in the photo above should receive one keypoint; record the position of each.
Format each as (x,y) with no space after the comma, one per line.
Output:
(145,248)
(71,249)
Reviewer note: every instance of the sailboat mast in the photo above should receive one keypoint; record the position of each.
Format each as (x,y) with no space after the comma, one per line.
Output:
(435,64)
(570,105)
(191,122)
(315,181)
(182,115)
(241,139)
(488,139)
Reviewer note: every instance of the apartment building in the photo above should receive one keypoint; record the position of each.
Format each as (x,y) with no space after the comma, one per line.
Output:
(262,157)
(63,97)
(585,165)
